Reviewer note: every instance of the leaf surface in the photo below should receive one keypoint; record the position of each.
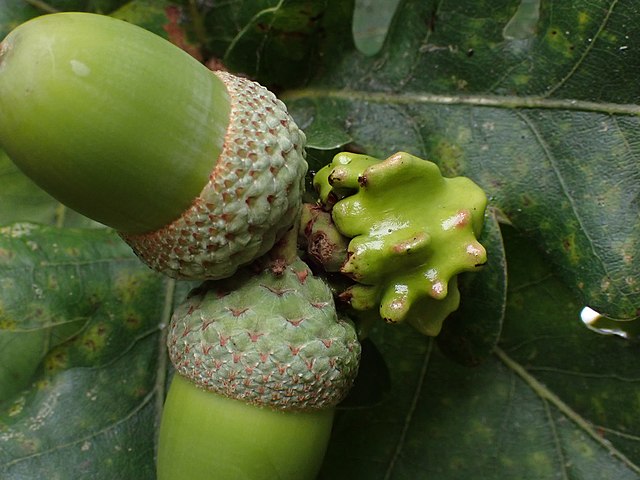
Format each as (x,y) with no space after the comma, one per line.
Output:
(83,364)
(23,201)
(555,400)
(513,106)
(536,101)
(280,43)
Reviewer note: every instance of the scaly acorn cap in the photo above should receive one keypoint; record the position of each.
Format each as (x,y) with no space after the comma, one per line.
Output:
(270,339)
(200,172)
(252,198)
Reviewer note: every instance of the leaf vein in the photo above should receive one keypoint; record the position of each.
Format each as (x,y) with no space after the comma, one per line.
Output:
(620,434)
(565,190)
(493,101)
(248,25)
(584,55)
(89,437)
(608,376)
(409,416)
(557,442)
(543,392)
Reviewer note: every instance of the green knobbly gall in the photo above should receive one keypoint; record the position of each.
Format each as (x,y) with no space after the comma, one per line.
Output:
(334,183)
(411,230)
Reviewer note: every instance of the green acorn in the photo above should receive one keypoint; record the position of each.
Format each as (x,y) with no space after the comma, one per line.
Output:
(261,362)
(200,172)
(411,232)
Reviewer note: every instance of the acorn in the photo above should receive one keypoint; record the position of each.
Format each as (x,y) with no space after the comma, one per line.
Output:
(200,172)
(261,360)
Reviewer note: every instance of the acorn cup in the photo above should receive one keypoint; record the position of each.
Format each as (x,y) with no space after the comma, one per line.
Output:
(200,172)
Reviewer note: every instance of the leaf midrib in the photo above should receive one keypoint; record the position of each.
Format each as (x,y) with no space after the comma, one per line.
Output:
(494,101)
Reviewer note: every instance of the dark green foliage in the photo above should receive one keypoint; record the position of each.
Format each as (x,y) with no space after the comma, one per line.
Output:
(536,102)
